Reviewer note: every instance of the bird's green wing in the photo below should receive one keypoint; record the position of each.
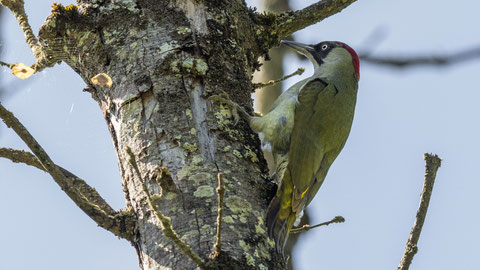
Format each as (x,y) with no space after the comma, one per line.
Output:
(291,92)
(306,147)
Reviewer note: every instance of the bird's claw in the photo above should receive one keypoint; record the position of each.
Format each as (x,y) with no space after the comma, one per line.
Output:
(224,98)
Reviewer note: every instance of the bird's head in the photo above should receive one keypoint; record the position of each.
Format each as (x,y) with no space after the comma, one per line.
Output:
(330,58)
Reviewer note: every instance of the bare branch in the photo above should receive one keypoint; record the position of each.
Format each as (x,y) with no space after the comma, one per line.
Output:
(299,71)
(438,60)
(20,156)
(42,61)
(18,10)
(271,28)
(221,193)
(165,222)
(306,227)
(290,22)
(85,197)
(433,162)
(10,66)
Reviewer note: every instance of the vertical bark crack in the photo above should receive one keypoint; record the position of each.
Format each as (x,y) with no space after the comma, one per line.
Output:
(206,142)
(198,229)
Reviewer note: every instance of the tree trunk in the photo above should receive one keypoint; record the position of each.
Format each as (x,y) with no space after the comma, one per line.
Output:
(164,60)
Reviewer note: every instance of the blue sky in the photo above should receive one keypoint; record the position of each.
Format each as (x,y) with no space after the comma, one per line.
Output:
(375,183)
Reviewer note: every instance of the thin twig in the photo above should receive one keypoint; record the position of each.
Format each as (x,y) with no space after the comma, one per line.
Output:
(10,66)
(438,60)
(165,221)
(299,71)
(432,163)
(221,192)
(306,227)
(84,196)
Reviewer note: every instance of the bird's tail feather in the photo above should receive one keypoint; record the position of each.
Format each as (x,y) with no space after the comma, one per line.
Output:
(279,227)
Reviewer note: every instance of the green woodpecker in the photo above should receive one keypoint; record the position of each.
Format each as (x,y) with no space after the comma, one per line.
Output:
(307,128)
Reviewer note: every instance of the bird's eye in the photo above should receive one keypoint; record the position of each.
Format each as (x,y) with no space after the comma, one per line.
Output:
(324,47)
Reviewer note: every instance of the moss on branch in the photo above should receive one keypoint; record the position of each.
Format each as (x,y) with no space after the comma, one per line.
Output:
(272,28)
(291,22)
(18,10)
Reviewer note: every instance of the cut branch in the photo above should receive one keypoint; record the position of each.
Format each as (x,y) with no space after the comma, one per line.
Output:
(432,163)
(439,60)
(165,221)
(290,22)
(304,228)
(85,197)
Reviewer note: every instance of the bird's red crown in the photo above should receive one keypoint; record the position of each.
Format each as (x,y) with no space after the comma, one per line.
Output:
(355,60)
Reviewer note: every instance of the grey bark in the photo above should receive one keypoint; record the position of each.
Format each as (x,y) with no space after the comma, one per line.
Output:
(164,60)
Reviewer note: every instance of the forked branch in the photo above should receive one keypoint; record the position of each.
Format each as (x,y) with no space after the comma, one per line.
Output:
(17,7)
(85,197)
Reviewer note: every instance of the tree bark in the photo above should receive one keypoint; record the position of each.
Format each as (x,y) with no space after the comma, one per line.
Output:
(164,60)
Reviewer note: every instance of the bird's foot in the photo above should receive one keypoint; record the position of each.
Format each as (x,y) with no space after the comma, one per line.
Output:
(223,98)
(234,107)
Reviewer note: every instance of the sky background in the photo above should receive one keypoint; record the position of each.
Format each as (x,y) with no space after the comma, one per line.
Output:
(375,183)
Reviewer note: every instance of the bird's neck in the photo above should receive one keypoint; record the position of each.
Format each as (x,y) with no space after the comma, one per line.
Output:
(340,73)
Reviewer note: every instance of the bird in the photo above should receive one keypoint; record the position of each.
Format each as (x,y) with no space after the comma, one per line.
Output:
(305,129)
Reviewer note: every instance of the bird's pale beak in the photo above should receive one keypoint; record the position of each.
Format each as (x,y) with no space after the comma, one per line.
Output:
(301,48)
